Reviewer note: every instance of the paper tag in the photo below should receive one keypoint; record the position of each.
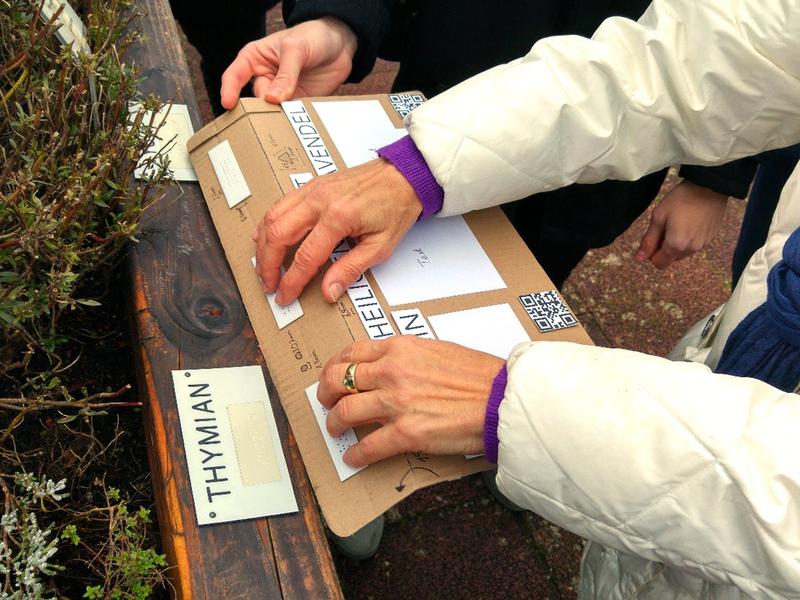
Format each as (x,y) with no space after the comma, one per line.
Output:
(71,31)
(283,314)
(308,134)
(236,465)
(336,446)
(173,134)
(228,173)
(300,179)
(411,322)
(369,310)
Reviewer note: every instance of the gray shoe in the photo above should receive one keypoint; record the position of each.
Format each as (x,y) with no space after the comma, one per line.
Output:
(363,544)
(491,485)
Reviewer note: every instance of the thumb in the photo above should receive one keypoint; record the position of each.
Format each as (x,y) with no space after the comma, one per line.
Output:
(293,57)
(350,268)
(650,241)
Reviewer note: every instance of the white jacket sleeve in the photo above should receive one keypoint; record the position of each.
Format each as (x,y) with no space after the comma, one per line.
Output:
(664,460)
(694,81)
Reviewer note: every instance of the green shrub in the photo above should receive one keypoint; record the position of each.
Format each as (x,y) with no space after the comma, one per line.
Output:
(68,201)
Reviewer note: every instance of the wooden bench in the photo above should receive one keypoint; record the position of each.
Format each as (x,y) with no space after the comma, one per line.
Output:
(187,313)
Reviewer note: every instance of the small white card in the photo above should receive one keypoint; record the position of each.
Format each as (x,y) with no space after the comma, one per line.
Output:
(228,173)
(71,30)
(336,446)
(283,314)
(236,465)
(492,329)
(411,322)
(173,134)
(438,258)
(358,128)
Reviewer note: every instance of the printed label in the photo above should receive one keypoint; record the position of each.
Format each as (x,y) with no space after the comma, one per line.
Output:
(369,310)
(411,322)
(309,136)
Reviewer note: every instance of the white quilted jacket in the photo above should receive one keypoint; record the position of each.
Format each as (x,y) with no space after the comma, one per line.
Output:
(687,482)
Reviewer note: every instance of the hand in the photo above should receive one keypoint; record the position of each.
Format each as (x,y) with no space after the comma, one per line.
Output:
(310,59)
(429,396)
(686,219)
(372,203)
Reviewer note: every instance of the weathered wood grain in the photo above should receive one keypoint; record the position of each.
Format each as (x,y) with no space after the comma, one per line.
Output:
(187,313)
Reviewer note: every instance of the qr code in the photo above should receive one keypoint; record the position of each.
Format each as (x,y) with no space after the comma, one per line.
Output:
(405,103)
(548,311)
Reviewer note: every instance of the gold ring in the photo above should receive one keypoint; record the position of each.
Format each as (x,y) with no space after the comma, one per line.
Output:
(349,381)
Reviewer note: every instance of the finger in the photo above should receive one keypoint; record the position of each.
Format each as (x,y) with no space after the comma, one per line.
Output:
(331,382)
(310,256)
(381,443)
(665,256)
(354,410)
(346,271)
(293,57)
(235,77)
(277,232)
(650,241)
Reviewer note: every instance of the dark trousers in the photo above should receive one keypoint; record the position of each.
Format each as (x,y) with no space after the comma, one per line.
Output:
(774,169)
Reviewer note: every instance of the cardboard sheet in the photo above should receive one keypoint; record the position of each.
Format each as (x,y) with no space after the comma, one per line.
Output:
(275,155)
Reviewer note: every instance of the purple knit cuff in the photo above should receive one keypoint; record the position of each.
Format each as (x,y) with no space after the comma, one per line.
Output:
(490,441)
(407,159)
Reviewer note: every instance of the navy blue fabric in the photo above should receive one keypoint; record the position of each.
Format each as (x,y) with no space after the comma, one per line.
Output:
(766,344)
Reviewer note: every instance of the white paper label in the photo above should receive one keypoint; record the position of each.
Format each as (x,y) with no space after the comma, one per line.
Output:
(369,310)
(173,134)
(71,30)
(308,134)
(283,314)
(228,173)
(492,329)
(236,465)
(411,322)
(336,446)
(300,179)
(438,258)
(358,128)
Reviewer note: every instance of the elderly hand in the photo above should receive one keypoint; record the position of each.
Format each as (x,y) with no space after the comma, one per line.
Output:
(429,396)
(310,59)
(372,203)
(686,219)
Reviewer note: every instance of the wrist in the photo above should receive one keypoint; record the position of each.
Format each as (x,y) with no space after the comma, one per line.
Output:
(408,160)
(345,36)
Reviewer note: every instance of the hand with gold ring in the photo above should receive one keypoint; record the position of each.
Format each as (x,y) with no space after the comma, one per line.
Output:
(428,396)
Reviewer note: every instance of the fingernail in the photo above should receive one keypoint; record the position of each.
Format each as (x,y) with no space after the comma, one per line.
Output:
(279,298)
(275,92)
(639,256)
(335,291)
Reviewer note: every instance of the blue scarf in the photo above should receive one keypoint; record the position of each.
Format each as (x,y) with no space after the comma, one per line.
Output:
(766,344)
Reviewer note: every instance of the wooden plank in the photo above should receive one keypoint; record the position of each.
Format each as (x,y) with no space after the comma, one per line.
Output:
(187,313)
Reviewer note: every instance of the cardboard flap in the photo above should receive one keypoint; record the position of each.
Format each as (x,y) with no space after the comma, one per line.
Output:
(244,107)
(271,152)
